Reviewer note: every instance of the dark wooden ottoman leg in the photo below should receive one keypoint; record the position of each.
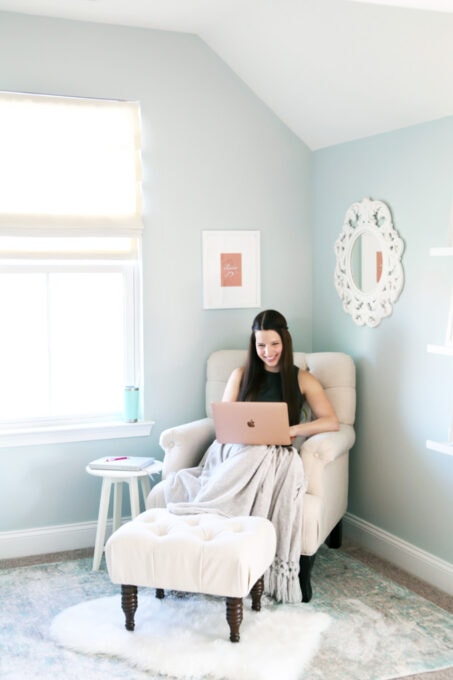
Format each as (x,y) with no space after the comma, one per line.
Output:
(129,605)
(256,593)
(160,593)
(234,613)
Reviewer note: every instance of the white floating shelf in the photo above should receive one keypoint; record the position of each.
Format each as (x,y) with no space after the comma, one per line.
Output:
(441,349)
(441,251)
(443,447)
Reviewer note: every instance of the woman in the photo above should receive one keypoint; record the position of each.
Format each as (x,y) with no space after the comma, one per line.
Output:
(270,375)
(268,481)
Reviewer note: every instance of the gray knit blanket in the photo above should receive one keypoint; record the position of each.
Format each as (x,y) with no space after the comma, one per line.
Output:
(267,481)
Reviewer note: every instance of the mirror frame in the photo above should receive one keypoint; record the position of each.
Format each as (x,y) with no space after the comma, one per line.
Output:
(373,217)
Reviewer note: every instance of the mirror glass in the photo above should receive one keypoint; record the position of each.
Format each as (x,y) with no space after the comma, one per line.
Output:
(366,262)
(368,273)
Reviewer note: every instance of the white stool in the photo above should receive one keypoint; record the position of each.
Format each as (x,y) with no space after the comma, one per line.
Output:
(201,553)
(117,478)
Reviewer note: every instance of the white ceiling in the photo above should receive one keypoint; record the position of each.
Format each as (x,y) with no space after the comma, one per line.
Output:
(332,70)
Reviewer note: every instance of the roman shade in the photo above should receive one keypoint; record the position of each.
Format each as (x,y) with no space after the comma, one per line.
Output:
(69,166)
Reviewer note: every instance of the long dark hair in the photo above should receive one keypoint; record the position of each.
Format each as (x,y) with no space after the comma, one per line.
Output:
(255,373)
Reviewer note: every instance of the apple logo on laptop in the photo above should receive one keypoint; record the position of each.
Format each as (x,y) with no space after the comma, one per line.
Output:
(250,423)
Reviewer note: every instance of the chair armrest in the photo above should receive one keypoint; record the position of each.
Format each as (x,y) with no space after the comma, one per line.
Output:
(327,446)
(185,444)
(324,457)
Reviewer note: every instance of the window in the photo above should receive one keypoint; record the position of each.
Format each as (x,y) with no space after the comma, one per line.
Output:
(70,231)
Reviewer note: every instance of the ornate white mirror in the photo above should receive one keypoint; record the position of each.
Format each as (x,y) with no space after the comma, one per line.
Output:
(368,274)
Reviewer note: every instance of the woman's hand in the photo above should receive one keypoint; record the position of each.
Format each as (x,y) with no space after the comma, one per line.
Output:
(293,431)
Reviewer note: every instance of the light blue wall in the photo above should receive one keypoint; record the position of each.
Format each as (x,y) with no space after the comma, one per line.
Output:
(405,395)
(214,158)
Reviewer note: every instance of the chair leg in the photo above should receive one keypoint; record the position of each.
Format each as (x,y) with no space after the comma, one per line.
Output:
(256,593)
(129,605)
(335,538)
(160,593)
(305,566)
(234,614)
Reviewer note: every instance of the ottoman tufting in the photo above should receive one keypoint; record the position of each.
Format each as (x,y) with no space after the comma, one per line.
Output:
(203,553)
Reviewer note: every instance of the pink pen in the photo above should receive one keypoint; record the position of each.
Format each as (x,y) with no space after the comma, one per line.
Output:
(110,460)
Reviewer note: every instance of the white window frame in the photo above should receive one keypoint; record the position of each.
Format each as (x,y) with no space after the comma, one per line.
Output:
(47,431)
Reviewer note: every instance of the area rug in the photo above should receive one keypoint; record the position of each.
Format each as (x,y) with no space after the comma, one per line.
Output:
(188,637)
(378,629)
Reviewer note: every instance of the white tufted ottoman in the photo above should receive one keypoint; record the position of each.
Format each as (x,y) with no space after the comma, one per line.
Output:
(192,553)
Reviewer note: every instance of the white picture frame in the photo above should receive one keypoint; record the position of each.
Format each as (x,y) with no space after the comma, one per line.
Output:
(231,269)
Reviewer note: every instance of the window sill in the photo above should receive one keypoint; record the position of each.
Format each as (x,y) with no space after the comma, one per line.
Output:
(73,433)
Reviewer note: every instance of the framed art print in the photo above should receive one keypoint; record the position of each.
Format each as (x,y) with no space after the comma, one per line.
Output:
(231,269)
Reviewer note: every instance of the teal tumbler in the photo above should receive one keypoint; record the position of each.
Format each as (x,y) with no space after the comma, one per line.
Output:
(131,404)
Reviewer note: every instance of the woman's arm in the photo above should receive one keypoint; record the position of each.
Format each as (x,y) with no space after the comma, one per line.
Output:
(231,392)
(325,418)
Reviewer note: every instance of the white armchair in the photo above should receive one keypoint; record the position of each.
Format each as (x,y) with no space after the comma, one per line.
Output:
(325,456)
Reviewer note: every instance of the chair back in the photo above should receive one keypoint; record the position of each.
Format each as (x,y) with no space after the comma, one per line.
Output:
(334,370)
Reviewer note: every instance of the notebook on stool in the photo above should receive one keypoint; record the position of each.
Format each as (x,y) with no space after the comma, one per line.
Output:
(251,422)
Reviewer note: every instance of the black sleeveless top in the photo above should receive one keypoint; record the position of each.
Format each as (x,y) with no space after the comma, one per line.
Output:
(271,389)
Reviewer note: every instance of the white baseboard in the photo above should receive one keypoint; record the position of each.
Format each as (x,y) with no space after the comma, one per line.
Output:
(406,556)
(43,540)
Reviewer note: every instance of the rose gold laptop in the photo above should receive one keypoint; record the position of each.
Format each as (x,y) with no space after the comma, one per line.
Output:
(251,422)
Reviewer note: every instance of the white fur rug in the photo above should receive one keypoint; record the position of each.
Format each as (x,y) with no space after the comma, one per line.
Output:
(188,637)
